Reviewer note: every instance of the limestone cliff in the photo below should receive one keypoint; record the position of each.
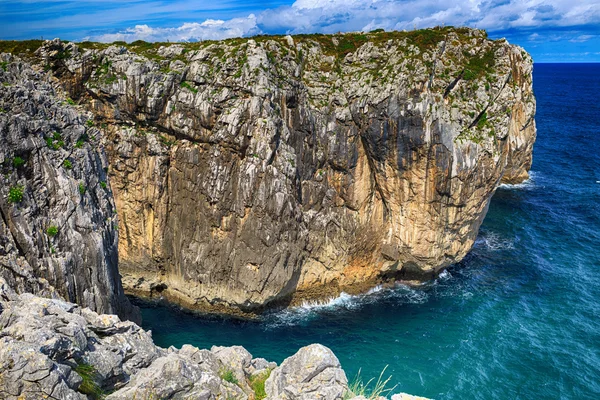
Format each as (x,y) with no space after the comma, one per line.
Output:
(58,224)
(254,171)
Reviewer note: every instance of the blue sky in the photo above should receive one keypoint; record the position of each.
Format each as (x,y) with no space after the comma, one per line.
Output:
(551,30)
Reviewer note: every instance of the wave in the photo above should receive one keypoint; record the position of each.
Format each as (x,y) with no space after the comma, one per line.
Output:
(494,242)
(400,293)
(528,184)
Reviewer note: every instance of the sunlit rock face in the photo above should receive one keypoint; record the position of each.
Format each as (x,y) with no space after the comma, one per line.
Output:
(254,172)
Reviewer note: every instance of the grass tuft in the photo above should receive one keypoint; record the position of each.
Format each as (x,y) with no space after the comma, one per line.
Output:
(359,388)
(89,386)
(228,375)
(257,383)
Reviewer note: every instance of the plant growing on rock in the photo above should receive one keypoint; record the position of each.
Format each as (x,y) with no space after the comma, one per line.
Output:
(257,383)
(82,188)
(52,231)
(55,141)
(358,388)
(15,194)
(67,164)
(18,162)
(228,375)
(103,185)
(88,385)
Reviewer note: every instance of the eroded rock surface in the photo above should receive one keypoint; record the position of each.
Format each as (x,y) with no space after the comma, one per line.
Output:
(58,225)
(50,348)
(253,172)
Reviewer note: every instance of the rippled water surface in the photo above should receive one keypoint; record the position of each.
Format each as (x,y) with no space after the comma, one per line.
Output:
(518,318)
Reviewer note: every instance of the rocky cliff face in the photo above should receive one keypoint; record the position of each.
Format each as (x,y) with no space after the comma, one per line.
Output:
(255,171)
(58,225)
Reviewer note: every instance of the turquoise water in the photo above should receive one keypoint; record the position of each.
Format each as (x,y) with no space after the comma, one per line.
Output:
(518,318)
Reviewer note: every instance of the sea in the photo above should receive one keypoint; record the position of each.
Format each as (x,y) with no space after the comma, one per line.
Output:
(518,318)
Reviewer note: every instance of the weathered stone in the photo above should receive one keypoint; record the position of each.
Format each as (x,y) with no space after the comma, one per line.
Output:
(58,225)
(293,169)
(314,372)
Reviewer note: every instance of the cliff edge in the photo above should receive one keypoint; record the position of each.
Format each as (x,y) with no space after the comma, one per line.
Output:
(262,171)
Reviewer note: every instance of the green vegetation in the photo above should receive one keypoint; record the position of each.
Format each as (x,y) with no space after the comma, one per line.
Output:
(228,375)
(4,65)
(67,164)
(79,144)
(70,101)
(189,87)
(15,194)
(52,231)
(55,141)
(482,120)
(82,188)
(257,383)
(18,47)
(18,162)
(479,65)
(103,185)
(88,385)
(358,388)
(89,123)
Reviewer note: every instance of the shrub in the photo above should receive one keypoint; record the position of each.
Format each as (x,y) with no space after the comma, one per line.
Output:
(52,231)
(228,375)
(103,185)
(82,188)
(67,164)
(15,194)
(70,101)
(79,144)
(358,388)
(55,142)
(257,383)
(89,123)
(189,87)
(18,162)
(88,385)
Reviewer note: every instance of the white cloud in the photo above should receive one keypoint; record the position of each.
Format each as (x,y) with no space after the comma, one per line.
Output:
(329,16)
(210,29)
(581,38)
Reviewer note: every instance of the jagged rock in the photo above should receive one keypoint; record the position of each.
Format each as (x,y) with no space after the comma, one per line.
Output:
(47,345)
(58,223)
(313,373)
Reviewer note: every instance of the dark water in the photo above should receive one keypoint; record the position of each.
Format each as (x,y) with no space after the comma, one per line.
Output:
(518,318)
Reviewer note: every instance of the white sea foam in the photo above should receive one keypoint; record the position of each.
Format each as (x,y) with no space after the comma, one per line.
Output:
(313,309)
(494,242)
(529,184)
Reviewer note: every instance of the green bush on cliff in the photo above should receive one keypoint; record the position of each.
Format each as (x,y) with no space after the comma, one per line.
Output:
(15,194)
(67,164)
(18,162)
(228,375)
(257,383)
(52,231)
(88,385)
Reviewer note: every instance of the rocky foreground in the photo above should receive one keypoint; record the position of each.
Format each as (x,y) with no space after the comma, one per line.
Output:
(52,349)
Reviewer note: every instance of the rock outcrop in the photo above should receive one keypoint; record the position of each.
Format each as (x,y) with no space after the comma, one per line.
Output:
(53,349)
(58,225)
(254,172)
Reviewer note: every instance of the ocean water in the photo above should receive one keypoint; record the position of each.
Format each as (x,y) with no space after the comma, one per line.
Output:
(518,318)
